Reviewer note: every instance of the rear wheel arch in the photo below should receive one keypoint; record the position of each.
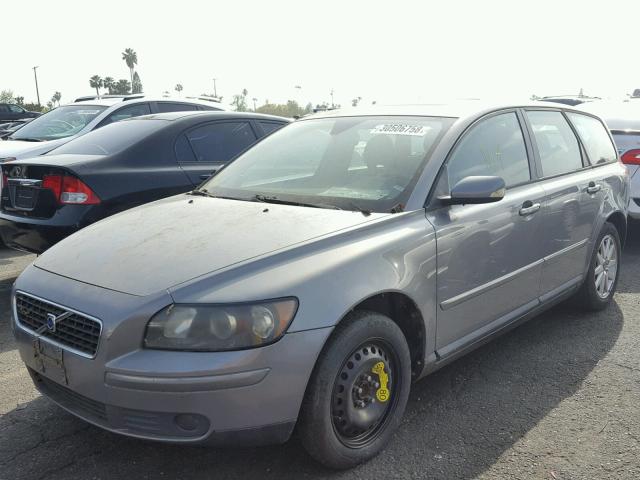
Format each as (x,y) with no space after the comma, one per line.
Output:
(619,220)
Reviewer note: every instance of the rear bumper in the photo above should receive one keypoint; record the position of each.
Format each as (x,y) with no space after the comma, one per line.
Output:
(30,237)
(38,234)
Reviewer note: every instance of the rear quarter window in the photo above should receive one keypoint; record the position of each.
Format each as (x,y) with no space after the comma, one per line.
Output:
(595,138)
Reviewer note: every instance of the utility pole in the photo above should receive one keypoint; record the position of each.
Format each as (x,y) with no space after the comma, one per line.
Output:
(254,103)
(215,91)
(35,74)
(332,104)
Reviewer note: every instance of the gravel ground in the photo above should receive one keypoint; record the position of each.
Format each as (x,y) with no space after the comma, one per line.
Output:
(557,398)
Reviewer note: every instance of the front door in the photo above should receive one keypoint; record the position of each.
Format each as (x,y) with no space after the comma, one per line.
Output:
(489,259)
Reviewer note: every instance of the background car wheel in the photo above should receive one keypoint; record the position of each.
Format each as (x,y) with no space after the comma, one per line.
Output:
(602,277)
(357,393)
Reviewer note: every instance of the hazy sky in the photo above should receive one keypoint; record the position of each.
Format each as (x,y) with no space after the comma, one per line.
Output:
(390,51)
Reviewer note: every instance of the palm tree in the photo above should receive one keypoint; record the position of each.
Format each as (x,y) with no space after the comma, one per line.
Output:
(108,83)
(130,57)
(57,97)
(97,83)
(178,88)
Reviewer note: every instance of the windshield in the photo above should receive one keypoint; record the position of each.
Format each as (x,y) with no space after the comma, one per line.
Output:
(112,138)
(61,122)
(351,163)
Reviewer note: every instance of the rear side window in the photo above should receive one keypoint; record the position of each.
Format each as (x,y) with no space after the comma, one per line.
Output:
(15,109)
(220,142)
(494,146)
(176,107)
(4,108)
(558,146)
(269,127)
(127,112)
(595,138)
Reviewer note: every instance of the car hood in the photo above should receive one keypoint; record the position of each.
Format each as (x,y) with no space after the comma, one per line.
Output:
(165,243)
(23,149)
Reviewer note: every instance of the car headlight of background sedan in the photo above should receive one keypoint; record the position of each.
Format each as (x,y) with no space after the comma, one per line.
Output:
(219,327)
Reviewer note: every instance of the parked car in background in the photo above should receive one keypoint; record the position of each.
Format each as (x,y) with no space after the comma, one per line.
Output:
(64,123)
(7,129)
(10,112)
(122,165)
(623,120)
(571,100)
(311,280)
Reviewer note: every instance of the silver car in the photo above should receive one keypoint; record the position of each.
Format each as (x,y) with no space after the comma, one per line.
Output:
(312,280)
(623,120)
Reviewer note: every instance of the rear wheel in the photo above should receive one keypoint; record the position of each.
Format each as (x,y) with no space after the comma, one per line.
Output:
(358,391)
(602,278)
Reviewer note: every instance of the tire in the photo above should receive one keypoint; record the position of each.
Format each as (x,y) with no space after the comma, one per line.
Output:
(597,297)
(349,387)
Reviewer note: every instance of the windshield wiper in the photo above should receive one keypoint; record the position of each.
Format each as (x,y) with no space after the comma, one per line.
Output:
(267,199)
(360,209)
(203,192)
(26,139)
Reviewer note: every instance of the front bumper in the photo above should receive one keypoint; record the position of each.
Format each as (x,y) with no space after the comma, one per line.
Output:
(248,397)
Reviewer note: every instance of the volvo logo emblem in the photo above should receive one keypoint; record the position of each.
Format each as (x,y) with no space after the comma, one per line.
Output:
(51,322)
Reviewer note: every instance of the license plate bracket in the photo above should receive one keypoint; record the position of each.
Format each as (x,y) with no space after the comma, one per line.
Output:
(49,361)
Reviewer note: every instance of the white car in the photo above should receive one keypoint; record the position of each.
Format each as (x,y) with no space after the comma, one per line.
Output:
(623,120)
(67,122)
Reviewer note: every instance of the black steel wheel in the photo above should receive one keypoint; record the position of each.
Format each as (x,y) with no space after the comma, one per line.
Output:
(357,392)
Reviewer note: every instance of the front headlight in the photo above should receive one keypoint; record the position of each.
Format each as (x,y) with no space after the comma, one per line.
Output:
(219,327)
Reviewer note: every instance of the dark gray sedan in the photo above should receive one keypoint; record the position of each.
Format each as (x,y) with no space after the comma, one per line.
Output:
(311,281)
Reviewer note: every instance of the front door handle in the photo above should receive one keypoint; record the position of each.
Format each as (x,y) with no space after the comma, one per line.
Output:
(529,208)
(593,188)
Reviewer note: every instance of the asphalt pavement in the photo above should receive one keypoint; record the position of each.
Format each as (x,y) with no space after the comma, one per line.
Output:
(557,398)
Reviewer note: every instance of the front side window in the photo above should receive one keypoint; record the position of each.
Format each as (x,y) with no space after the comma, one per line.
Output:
(371,162)
(595,138)
(557,145)
(130,111)
(16,109)
(495,147)
(60,122)
(220,142)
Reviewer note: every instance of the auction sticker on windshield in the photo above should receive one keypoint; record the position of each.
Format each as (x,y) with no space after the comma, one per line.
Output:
(400,129)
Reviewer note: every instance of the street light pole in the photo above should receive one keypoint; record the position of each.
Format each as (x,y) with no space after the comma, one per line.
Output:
(215,91)
(332,104)
(35,75)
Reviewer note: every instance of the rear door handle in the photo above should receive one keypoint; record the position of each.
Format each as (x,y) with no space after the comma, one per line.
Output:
(529,208)
(593,188)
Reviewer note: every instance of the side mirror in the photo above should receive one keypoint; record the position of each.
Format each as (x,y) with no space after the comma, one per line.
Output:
(480,189)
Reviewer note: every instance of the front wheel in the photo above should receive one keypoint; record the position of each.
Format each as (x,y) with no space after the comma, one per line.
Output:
(357,393)
(602,277)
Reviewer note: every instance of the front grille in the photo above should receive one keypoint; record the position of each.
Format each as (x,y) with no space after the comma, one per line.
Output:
(78,332)
(73,401)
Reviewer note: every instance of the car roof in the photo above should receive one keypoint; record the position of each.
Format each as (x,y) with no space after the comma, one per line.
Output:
(457,109)
(620,115)
(215,115)
(110,101)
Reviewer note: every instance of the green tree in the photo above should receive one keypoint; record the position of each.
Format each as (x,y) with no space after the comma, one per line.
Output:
(109,83)
(240,101)
(122,87)
(19,100)
(56,98)
(178,88)
(136,86)
(97,83)
(289,109)
(6,96)
(130,57)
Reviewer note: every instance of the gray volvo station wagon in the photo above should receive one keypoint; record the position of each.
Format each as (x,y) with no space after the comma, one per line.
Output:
(312,280)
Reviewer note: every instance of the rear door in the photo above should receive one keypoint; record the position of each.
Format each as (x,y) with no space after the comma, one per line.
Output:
(489,259)
(203,150)
(573,195)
